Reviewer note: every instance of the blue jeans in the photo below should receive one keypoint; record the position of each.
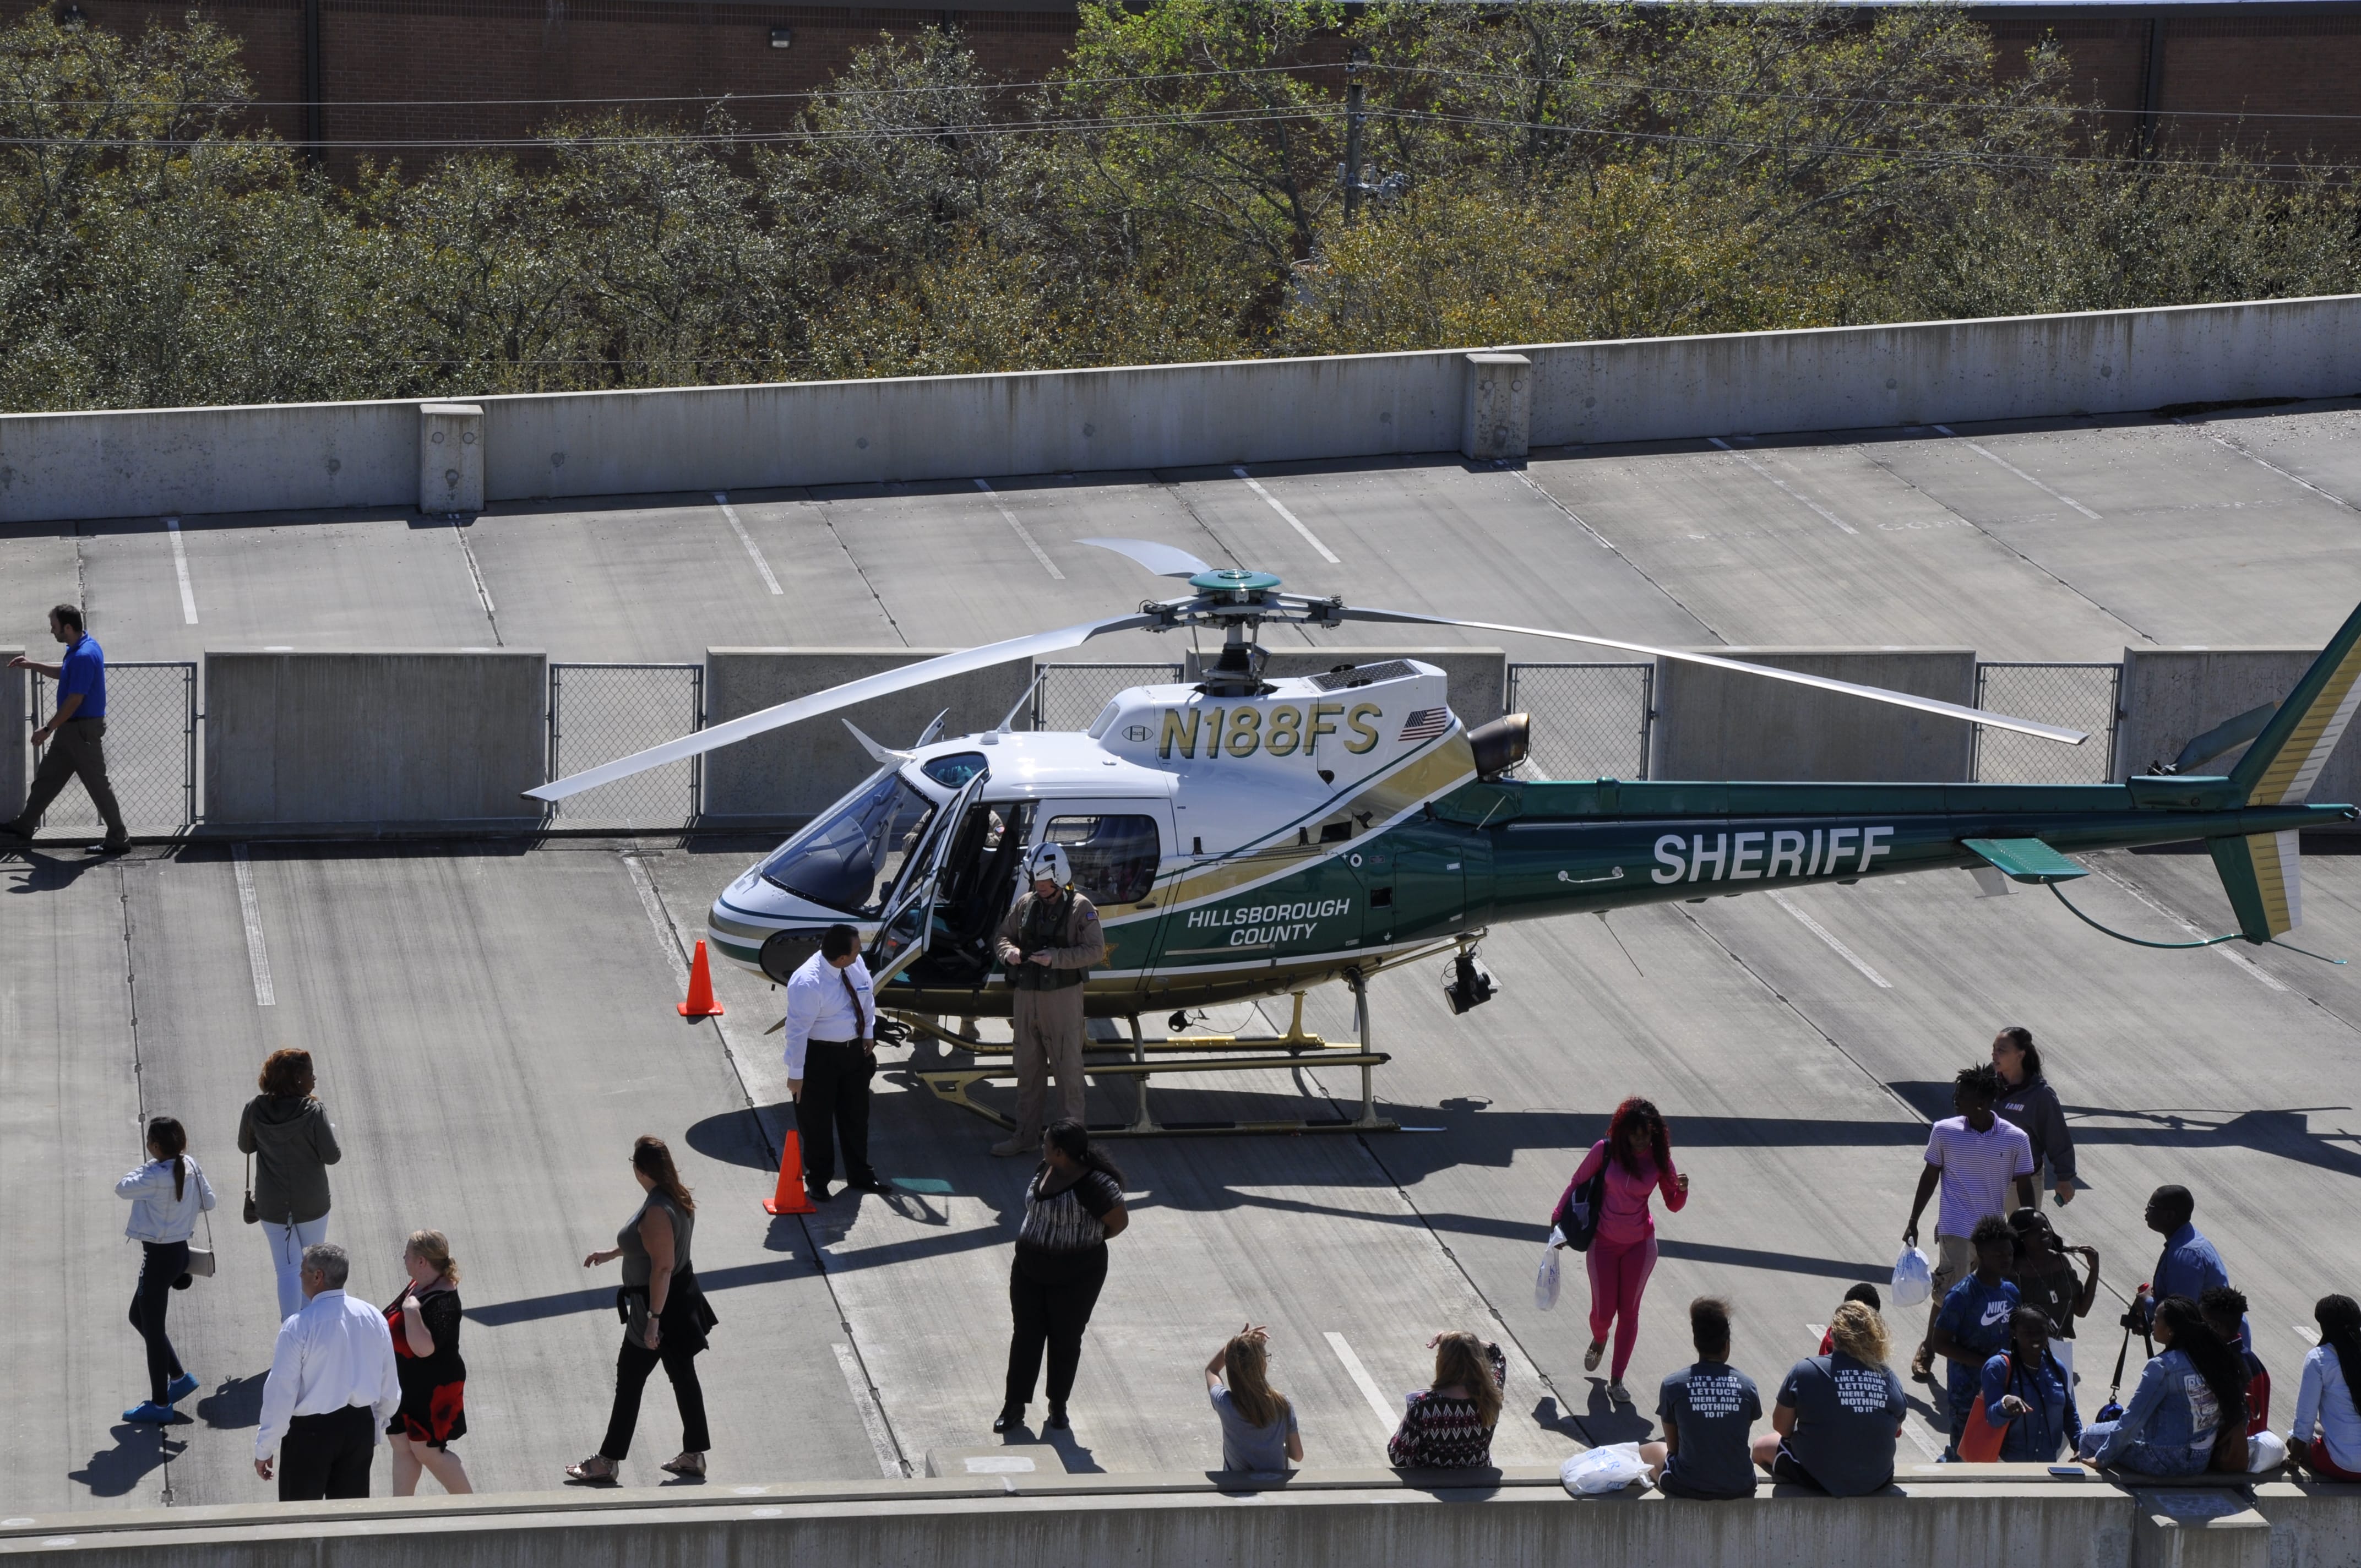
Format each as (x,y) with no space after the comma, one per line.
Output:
(287,1244)
(2146,1458)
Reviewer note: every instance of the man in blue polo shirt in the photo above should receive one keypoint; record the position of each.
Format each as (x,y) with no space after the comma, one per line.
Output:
(72,734)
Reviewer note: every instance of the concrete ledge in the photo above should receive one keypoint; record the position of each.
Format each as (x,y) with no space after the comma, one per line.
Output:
(2170,695)
(2000,1514)
(364,739)
(142,462)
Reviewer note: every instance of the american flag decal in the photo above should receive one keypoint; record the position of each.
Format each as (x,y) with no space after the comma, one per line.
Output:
(1426,723)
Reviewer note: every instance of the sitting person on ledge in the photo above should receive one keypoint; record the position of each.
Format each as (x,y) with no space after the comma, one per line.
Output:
(1707,1409)
(2191,1391)
(1449,1426)
(1837,1415)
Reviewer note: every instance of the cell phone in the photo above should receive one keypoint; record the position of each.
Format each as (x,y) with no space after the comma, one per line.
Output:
(2068,1471)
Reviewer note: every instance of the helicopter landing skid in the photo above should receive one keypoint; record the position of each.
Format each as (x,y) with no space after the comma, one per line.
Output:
(1204,1054)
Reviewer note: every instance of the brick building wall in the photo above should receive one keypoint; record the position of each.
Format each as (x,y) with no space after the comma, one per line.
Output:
(2254,60)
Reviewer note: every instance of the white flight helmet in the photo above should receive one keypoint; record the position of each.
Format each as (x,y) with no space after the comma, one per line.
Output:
(1049,860)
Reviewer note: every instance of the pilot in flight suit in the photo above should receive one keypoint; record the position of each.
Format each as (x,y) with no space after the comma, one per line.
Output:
(1050,941)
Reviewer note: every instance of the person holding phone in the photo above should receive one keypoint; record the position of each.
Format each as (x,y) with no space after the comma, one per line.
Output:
(2045,1277)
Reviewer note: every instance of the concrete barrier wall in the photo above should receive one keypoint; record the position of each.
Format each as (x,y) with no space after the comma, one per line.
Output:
(792,772)
(1717,724)
(2170,695)
(1479,676)
(371,740)
(15,736)
(1316,1520)
(55,467)
(2012,368)
(272,457)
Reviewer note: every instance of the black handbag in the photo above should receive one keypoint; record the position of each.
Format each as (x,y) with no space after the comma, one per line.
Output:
(1576,1218)
(251,1214)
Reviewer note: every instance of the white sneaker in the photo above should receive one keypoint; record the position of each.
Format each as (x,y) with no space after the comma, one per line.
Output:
(1009,1149)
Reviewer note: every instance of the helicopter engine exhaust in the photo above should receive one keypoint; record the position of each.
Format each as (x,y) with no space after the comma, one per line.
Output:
(1501,744)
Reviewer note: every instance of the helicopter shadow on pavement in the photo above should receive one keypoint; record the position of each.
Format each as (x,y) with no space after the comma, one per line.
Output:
(2282,1131)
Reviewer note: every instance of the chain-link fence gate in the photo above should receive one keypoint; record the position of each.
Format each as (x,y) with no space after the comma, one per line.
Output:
(1590,722)
(601,712)
(1069,697)
(151,749)
(2080,695)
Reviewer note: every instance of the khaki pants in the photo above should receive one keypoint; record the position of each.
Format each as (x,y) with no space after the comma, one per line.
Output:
(75,750)
(1048,1038)
(1954,1260)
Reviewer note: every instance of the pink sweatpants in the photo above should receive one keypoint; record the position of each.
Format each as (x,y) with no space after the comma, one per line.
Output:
(1618,1275)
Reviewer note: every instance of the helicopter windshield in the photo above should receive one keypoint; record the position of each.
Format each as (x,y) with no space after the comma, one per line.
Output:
(848,859)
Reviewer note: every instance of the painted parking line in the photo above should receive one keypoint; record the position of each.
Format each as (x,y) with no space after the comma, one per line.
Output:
(645,887)
(752,549)
(2241,448)
(873,1416)
(1825,935)
(2249,967)
(2311,1335)
(1294,522)
(249,908)
(1022,532)
(181,565)
(1379,1404)
(1790,490)
(1983,451)
(1818,1330)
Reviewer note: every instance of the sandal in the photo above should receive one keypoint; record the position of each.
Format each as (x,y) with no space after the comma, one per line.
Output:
(691,1465)
(598,1469)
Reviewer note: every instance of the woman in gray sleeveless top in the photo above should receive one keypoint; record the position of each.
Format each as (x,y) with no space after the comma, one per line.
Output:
(665,1316)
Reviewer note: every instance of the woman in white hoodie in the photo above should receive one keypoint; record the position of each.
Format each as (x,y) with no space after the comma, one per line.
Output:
(167,1194)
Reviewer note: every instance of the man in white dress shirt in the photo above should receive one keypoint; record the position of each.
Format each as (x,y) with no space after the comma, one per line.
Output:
(331,1388)
(831,1054)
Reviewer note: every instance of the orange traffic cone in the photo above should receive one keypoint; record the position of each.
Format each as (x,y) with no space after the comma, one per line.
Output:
(700,1003)
(790,1199)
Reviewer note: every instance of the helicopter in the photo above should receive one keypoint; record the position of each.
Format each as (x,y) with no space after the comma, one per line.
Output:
(1246,838)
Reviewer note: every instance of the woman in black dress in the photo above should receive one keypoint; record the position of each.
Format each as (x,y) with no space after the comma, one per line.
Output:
(425,1326)
(1073,1205)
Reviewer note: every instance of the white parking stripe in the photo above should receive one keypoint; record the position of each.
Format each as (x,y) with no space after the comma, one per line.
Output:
(1368,1385)
(2053,495)
(647,888)
(747,538)
(872,1418)
(1792,492)
(1022,532)
(1294,522)
(181,565)
(1825,935)
(1818,1330)
(2311,1335)
(258,957)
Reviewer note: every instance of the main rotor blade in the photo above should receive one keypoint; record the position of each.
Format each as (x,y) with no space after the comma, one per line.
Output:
(1164,560)
(1875,693)
(882,684)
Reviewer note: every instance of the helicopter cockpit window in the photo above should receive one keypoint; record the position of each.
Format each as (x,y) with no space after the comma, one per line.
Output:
(1114,856)
(848,859)
(955,771)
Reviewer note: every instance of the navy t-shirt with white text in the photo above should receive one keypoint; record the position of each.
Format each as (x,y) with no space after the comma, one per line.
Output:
(1713,1406)
(1848,1414)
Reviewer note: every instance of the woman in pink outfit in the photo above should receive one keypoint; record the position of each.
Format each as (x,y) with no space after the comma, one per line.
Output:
(1638,1154)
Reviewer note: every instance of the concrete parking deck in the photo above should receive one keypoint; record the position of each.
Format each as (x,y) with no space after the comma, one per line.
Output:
(494,1023)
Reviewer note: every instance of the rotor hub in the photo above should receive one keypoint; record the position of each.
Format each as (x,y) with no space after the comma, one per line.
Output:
(1234,582)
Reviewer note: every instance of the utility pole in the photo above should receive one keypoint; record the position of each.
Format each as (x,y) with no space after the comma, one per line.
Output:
(1353,120)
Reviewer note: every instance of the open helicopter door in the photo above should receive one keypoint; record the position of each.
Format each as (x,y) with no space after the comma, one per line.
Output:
(908,923)
(1118,849)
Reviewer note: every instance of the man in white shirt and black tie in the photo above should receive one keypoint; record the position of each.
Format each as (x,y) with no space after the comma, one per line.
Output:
(331,1388)
(831,1054)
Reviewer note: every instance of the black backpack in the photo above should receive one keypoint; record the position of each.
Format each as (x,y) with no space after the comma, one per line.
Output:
(1577,1215)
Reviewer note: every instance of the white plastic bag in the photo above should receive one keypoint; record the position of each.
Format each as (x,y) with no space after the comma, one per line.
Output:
(2266,1450)
(1546,1281)
(1597,1471)
(1914,1279)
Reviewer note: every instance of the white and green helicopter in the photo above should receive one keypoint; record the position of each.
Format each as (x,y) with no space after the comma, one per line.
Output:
(1247,837)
